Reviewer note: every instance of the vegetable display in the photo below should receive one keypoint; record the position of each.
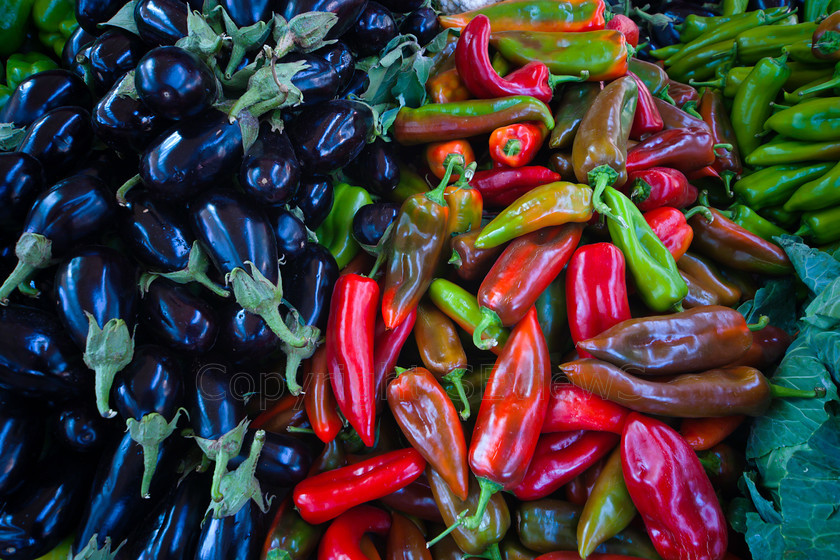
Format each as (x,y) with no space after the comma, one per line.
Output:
(419,279)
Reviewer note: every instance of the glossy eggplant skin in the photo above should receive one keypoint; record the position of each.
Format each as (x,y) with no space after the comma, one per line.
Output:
(46,508)
(667,35)
(214,407)
(270,172)
(376,167)
(161,22)
(244,338)
(21,180)
(37,358)
(115,505)
(341,58)
(328,136)
(97,280)
(176,317)
(348,11)
(317,82)
(175,83)
(79,426)
(156,233)
(373,29)
(235,537)
(59,140)
(191,156)
(78,40)
(309,281)
(125,124)
(152,382)
(371,221)
(284,460)
(248,12)
(170,532)
(114,53)
(422,23)
(232,231)
(290,234)
(21,439)
(41,93)
(402,6)
(89,13)
(356,86)
(315,199)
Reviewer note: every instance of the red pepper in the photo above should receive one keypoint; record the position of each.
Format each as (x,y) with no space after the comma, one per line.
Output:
(672,492)
(596,291)
(647,119)
(682,93)
(327,495)
(387,346)
(705,433)
(686,149)
(660,186)
(350,335)
(674,117)
(768,345)
(288,411)
(572,408)
(319,400)
(511,413)
(415,499)
(716,116)
(580,487)
(476,71)
(559,458)
(515,145)
(501,186)
(671,227)
(708,172)
(406,541)
(626,27)
(437,152)
(343,538)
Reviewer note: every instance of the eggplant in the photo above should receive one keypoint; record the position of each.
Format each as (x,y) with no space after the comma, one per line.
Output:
(402,6)
(371,221)
(174,83)
(59,140)
(270,172)
(422,23)
(665,34)
(21,180)
(46,508)
(161,22)
(215,409)
(317,82)
(69,212)
(191,156)
(78,40)
(248,12)
(290,234)
(348,11)
(90,13)
(234,537)
(342,60)
(244,338)
(40,93)
(284,460)
(330,135)
(315,199)
(177,318)
(96,298)
(111,55)
(373,29)
(309,281)
(21,439)
(376,167)
(124,123)
(356,86)
(157,235)
(79,427)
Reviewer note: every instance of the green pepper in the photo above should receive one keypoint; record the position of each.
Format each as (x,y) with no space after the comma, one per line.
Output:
(734,7)
(410,183)
(784,151)
(779,216)
(694,26)
(608,510)
(547,525)
(751,107)
(666,52)
(462,307)
(814,9)
(53,41)
(438,122)
(14,15)
(48,15)
(750,220)
(814,120)
(658,280)
(702,63)
(754,44)
(575,101)
(820,193)
(20,66)
(822,226)
(335,232)
(772,186)
(5,93)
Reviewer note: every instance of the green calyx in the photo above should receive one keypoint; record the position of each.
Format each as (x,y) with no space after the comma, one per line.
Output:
(704,210)
(455,260)
(600,178)
(270,88)
(196,271)
(221,451)
(454,377)
(243,39)
(763,321)
(240,486)
(149,433)
(294,356)
(641,191)
(829,43)
(554,81)
(489,318)
(34,252)
(454,163)
(513,147)
(488,488)
(108,350)
(91,551)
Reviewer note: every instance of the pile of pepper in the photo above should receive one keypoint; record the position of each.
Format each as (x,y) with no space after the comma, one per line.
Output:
(498,324)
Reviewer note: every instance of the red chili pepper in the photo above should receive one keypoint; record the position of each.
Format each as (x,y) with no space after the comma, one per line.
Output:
(686,149)
(768,345)
(705,433)
(327,495)
(660,186)
(387,345)
(626,27)
(580,487)
(511,413)
(437,152)
(596,291)
(406,541)
(476,71)
(572,408)
(708,172)
(559,458)
(350,335)
(501,186)
(288,411)
(343,538)
(674,117)
(716,116)
(647,119)
(415,499)
(515,145)
(319,400)
(671,227)
(682,93)
(672,492)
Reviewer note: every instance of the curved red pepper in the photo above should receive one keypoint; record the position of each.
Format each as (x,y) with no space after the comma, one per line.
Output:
(343,537)
(671,227)
(501,186)
(572,408)
(415,499)
(559,458)
(704,173)
(387,345)
(647,119)
(672,492)
(660,186)
(515,145)
(682,93)
(350,335)
(327,495)
(768,345)
(705,433)
(319,399)
(686,149)
(596,291)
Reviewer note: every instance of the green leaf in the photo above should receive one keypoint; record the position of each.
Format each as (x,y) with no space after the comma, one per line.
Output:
(764,507)
(776,300)
(10,136)
(124,18)
(824,311)
(816,268)
(764,539)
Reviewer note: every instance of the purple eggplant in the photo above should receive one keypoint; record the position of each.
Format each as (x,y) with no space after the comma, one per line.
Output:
(174,83)
(161,22)
(111,55)
(270,172)
(79,427)
(373,29)
(173,315)
(41,93)
(21,439)
(315,199)
(59,140)
(21,180)
(124,123)
(348,11)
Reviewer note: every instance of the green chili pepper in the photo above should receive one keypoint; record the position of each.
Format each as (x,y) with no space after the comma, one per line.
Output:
(547,525)
(814,9)
(335,232)
(784,151)
(658,280)
(49,14)
(800,51)
(734,7)
(666,52)
(832,84)
(702,63)
(778,215)
(575,101)
(749,219)
(462,307)
(754,44)
(694,26)
(438,122)
(652,75)
(751,107)
(14,15)
(731,79)
(728,80)
(814,119)
(772,186)
(410,183)
(20,66)
(820,193)
(822,226)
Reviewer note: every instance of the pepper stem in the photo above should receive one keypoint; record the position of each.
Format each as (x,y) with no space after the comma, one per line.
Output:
(107,351)
(665,96)
(488,488)
(602,177)
(513,147)
(727,177)
(829,43)
(828,84)
(700,210)
(780,392)
(34,252)
(455,260)
(691,108)
(710,462)
(299,430)
(127,186)
(641,191)
(454,377)
(763,321)
(720,83)
(457,523)
(452,161)
(489,318)
(554,81)
(804,230)
(721,146)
